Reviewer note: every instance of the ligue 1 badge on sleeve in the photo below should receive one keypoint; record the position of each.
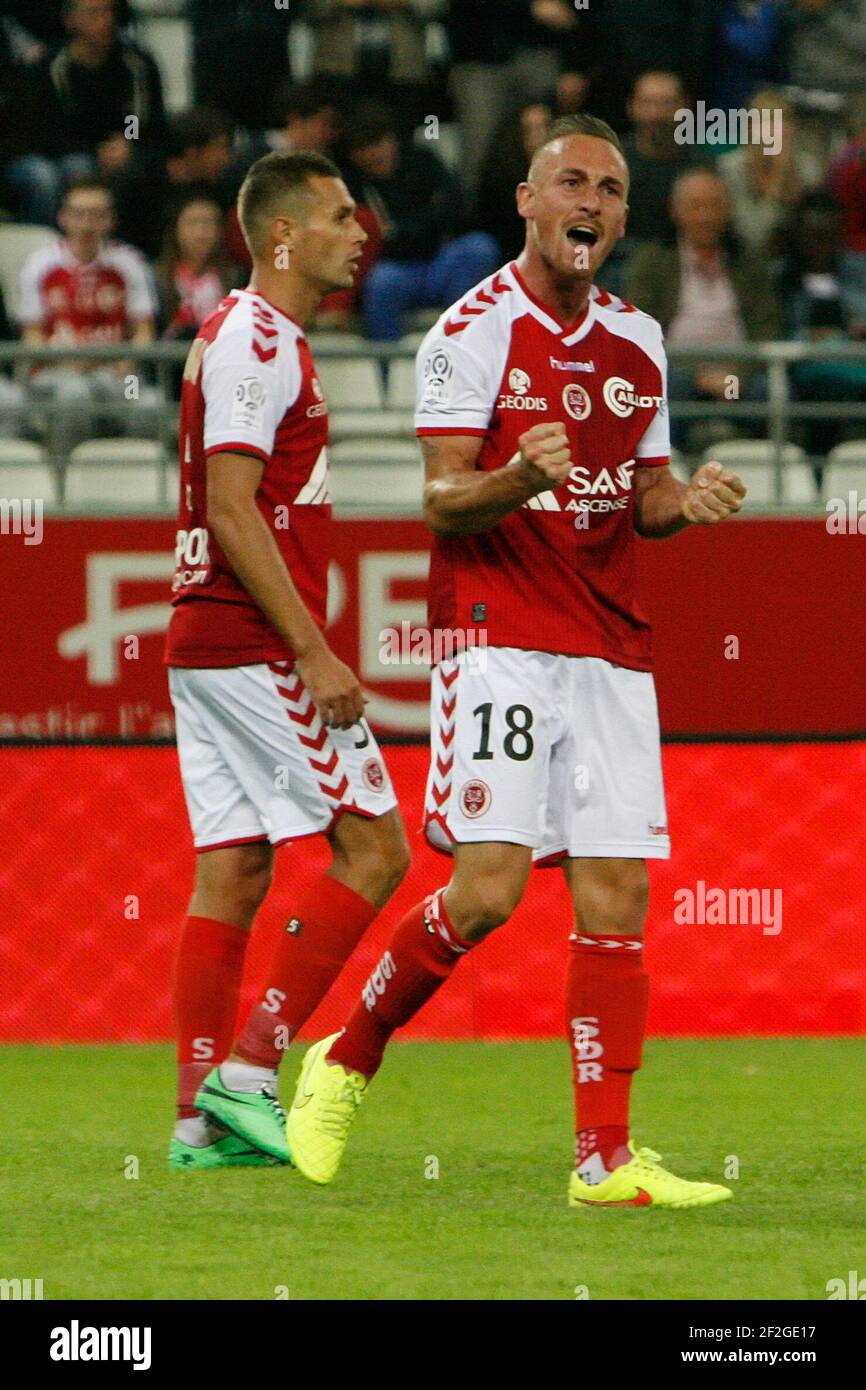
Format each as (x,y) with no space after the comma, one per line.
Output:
(438,371)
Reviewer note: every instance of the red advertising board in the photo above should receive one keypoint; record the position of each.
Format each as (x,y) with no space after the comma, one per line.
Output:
(96,875)
(760,626)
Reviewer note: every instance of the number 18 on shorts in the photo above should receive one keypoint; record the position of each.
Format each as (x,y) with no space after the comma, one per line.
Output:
(560,753)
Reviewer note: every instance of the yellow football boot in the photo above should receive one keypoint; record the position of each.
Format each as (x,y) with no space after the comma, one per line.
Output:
(326,1099)
(643,1182)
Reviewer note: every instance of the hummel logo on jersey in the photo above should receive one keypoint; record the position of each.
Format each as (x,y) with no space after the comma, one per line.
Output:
(621,398)
(572,366)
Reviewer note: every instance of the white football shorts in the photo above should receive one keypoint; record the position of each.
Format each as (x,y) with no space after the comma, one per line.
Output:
(257,762)
(561,753)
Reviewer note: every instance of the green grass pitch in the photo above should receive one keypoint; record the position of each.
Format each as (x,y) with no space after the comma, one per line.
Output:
(494,1224)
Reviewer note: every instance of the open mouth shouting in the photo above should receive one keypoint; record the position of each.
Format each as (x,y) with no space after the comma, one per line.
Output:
(582,234)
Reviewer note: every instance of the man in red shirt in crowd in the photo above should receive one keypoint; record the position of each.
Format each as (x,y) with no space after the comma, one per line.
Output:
(81,289)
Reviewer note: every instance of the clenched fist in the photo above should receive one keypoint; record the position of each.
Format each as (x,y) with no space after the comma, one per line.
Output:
(713,493)
(545,456)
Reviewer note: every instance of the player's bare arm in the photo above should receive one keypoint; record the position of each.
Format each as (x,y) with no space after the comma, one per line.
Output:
(240,529)
(663,505)
(459,500)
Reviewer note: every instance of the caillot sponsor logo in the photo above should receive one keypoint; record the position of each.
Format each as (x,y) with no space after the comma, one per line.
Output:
(623,398)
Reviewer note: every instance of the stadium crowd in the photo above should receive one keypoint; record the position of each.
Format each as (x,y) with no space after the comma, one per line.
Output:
(432,110)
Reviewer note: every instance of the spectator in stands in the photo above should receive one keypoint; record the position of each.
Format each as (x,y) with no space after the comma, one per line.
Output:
(85,289)
(502,54)
(846,178)
(817,306)
(572,93)
(99,100)
(240,56)
(307,118)
(762,188)
(515,139)
(638,36)
(828,45)
(375,49)
(194,271)
(750,51)
(12,402)
(704,292)
(655,161)
(30,174)
(199,157)
(427,258)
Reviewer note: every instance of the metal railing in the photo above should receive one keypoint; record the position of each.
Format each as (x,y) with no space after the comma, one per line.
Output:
(159,363)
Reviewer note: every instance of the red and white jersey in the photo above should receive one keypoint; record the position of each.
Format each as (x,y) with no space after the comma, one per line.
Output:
(249,387)
(557,574)
(94,301)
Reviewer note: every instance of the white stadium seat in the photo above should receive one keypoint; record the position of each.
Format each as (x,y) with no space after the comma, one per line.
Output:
(17,241)
(752,459)
(680,467)
(351,382)
(24,472)
(169,40)
(372,424)
(377,476)
(846,469)
(116,474)
(401,385)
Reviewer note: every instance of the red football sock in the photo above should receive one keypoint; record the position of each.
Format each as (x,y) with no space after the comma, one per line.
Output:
(420,956)
(207,980)
(607,990)
(317,942)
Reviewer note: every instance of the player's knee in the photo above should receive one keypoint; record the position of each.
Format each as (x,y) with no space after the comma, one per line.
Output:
(248,883)
(616,898)
(485,905)
(373,856)
(392,864)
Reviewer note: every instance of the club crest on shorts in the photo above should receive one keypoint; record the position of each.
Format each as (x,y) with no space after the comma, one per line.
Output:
(576,400)
(475,798)
(373,774)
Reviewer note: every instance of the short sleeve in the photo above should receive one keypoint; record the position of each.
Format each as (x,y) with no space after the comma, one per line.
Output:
(31,310)
(654,445)
(244,398)
(140,293)
(452,389)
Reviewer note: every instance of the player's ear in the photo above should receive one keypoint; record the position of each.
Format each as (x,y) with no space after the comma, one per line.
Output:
(525,196)
(283,231)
